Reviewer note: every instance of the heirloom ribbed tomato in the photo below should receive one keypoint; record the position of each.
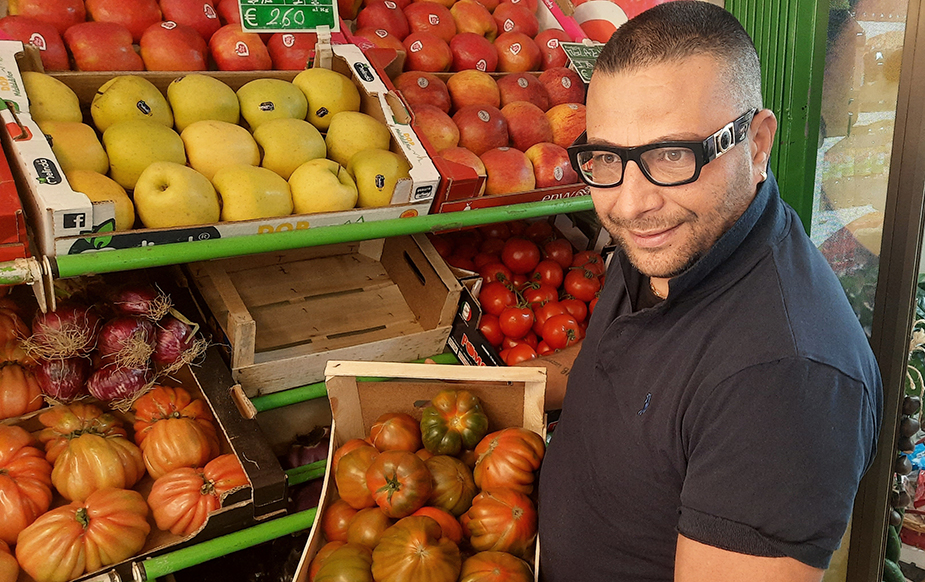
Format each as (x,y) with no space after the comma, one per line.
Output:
(454,487)
(453,421)
(399,482)
(415,549)
(508,458)
(25,482)
(395,431)
(495,567)
(501,520)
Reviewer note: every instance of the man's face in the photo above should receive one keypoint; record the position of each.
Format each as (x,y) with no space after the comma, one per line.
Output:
(664,230)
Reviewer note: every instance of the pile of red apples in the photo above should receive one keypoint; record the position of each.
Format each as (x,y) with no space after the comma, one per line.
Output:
(154,35)
(455,35)
(512,128)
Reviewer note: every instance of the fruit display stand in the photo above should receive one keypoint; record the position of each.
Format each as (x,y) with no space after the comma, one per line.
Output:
(66,222)
(509,396)
(14,241)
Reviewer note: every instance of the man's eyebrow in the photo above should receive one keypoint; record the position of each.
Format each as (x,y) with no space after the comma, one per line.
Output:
(686,137)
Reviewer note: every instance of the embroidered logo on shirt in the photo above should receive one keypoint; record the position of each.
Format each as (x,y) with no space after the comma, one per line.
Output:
(645,405)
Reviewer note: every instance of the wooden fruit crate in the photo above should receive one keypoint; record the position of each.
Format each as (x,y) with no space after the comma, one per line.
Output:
(284,315)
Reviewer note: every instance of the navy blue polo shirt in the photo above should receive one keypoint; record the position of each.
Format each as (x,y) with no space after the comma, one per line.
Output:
(740,412)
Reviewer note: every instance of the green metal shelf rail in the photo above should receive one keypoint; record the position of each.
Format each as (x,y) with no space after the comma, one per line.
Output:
(173,254)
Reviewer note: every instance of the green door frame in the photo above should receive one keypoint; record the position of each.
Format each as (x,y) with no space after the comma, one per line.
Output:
(790,37)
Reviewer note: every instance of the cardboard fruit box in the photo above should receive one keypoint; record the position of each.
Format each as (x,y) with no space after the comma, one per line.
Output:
(509,396)
(66,222)
(284,315)
(266,497)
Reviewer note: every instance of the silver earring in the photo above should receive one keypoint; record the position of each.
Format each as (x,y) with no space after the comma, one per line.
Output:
(764,175)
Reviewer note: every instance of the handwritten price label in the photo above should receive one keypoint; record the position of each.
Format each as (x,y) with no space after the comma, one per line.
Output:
(583,57)
(288,15)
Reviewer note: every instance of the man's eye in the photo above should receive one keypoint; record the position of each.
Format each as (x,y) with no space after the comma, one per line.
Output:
(674,155)
(606,158)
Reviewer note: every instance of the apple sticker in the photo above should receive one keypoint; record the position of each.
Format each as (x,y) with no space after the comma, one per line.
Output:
(522,83)
(416,46)
(484,115)
(433,19)
(209,11)
(482,65)
(288,40)
(553,43)
(382,33)
(38,41)
(515,48)
(557,173)
(390,5)
(566,82)
(423,83)
(380,181)
(168,25)
(240,49)
(143,107)
(508,25)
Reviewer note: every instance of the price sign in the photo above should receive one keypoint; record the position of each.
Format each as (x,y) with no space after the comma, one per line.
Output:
(583,57)
(288,15)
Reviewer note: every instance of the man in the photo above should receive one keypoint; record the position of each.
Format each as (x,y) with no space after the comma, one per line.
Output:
(725,401)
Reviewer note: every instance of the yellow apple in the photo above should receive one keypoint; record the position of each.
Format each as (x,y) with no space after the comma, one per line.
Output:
(262,100)
(76,146)
(170,194)
(376,172)
(328,92)
(128,97)
(211,145)
(134,145)
(288,143)
(322,185)
(250,192)
(50,99)
(196,97)
(100,188)
(351,132)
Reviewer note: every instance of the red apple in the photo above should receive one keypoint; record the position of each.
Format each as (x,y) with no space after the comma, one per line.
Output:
(444,3)
(168,46)
(553,55)
(135,15)
(489,5)
(380,38)
(384,14)
(292,51)
(473,51)
(236,50)
(229,11)
(349,9)
(421,88)
(531,5)
(427,52)
(472,87)
(470,16)
(431,17)
(481,128)
(517,53)
(568,121)
(62,14)
(102,46)
(551,166)
(508,170)
(527,124)
(42,36)
(523,87)
(199,14)
(563,85)
(460,155)
(516,18)
(436,126)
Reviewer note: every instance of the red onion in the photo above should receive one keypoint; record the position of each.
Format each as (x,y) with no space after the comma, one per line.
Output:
(63,379)
(142,301)
(127,340)
(67,332)
(172,338)
(308,448)
(308,495)
(115,382)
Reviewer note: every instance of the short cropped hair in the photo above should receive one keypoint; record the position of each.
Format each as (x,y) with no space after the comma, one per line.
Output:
(677,30)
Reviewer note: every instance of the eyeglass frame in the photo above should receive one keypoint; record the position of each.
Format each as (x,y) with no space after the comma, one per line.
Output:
(704,151)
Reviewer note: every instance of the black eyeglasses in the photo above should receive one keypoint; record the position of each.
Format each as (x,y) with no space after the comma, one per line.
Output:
(670,163)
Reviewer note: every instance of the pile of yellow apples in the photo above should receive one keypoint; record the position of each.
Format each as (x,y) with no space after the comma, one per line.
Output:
(204,153)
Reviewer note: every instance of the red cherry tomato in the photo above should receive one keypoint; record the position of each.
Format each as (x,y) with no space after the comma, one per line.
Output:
(482,259)
(498,230)
(546,311)
(460,262)
(496,272)
(515,321)
(520,255)
(561,331)
(495,297)
(543,349)
(492,245)
(491,329)
(540,232)
(592,304)
(517,227)
(530,339)
(538,293)
(576,308)
(560,251)
(519,353)
(548,272)
(467,249)
(519,281)
(590,260)
(581,284)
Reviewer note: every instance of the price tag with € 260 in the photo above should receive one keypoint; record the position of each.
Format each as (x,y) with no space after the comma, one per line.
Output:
(583,57)
(288,15)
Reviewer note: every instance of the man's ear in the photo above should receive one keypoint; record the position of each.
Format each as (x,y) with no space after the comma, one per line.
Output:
(763,130)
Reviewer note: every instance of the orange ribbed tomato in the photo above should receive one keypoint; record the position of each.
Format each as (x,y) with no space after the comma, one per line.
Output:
(25,482)
(19,392)
(174,430)
(495,567)
(501,520)
(454,487)
(350,476)
(9,567)
(66,542)
(415,549)
(182,500)
(508,458)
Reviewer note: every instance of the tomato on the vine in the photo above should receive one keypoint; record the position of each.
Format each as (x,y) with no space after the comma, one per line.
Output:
(581,284)
(539,232)
(493,246)
(497,230)
(466,249)
(590,260)
(495,296)
(592,304)
(519,281)
(539,294)
(560,251)
(516,321)
(482,259)
(543,349)
(460,262)
(519,353)
(517,227)
(520,255)
(496,272)
(561,331)
(530,339)
(576,308)
(491,329)
(548,272)
(546,311)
